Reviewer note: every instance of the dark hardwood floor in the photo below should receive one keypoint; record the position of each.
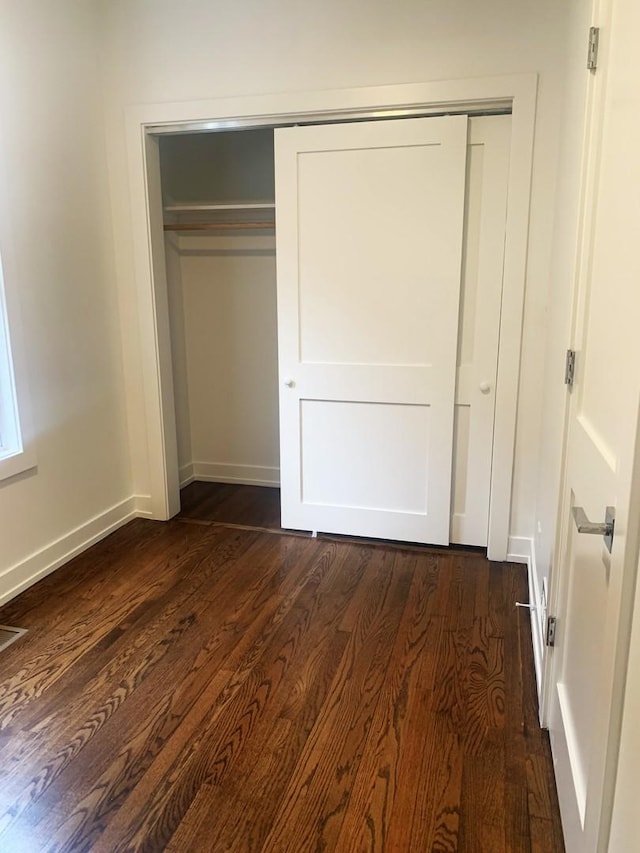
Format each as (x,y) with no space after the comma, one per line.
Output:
(195,687)
(253,506)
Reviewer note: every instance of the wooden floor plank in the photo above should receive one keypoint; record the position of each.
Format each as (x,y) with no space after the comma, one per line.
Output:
(245,800)
(314,804)
(258,506)
(131,653)
(201,687)
(59,739)
(238,657)
(305,641)
(381,774)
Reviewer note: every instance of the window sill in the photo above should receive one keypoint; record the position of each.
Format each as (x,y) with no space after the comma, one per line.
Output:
(17,463)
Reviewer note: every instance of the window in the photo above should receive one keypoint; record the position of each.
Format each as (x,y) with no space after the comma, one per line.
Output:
(15,456)
(10,440)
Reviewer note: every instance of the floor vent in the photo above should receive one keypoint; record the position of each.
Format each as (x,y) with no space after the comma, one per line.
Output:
(9,634)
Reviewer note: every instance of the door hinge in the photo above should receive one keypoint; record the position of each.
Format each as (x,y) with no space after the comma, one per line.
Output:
(550,638)
(592,53)
(570,368)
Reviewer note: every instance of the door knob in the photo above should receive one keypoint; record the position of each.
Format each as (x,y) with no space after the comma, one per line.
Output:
(289,383)
(604,529)
(485,387)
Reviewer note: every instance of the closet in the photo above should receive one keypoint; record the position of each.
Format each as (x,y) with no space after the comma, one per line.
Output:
(218,194)
(359,343)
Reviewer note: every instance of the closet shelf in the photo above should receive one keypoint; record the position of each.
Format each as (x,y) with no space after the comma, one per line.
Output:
(234,216)
(211,206)
(218,226)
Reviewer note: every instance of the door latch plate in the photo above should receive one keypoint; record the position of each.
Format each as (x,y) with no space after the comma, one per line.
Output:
(570,368)
(550,639)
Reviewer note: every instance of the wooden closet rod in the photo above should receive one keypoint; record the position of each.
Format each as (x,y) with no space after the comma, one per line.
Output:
(216,226)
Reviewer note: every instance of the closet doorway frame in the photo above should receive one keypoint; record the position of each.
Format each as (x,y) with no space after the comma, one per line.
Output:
(146,123)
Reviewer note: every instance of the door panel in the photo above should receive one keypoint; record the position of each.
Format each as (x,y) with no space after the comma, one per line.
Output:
(592,593)
(369,243)
(482,267)
(341,474)
(363,225)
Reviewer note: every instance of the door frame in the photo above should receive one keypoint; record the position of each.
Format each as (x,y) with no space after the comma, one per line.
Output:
(146,123)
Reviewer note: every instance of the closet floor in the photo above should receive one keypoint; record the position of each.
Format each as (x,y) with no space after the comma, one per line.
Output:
(258,508)
(224,503)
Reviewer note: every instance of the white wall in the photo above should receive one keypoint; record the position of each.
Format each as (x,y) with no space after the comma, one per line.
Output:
(163,51)
(55,226)
(228,287)
(178,349)
(229,166)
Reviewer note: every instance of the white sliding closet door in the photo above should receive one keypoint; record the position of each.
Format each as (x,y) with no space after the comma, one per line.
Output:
(482,269)
(369,243)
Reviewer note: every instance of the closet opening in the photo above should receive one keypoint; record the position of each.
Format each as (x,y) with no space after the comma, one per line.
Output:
(218,201)
(219,225)
(154,439)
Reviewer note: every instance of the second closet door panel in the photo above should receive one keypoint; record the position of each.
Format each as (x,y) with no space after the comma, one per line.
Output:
(482,269)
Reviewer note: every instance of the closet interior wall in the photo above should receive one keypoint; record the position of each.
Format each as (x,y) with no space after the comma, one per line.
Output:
(222,299)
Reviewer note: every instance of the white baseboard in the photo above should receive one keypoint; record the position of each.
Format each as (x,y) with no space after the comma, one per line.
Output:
(36,566)
(186,475)
(521,549)
(220,472)
(46,560)
(538,619)
(142,505)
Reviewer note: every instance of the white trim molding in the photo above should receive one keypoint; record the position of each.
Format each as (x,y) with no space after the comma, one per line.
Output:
(186,475)
(43,562)
(227,472)
(142,504)
(521,549)
(17,435)
(247,475)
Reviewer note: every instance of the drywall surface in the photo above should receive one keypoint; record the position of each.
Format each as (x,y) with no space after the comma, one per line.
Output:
(55,229)
(178,349)
(228,289)
(222,167)
(163,51)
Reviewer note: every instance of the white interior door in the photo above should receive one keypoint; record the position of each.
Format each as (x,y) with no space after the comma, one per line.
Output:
(369,241)
(482,268)
(593,597)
